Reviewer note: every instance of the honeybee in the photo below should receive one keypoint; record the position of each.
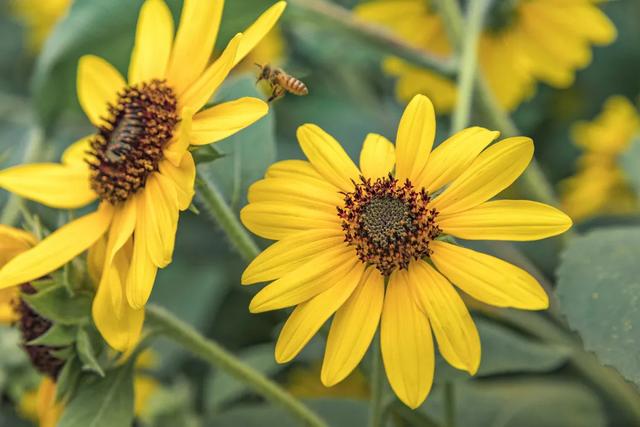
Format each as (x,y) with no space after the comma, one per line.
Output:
(281,82)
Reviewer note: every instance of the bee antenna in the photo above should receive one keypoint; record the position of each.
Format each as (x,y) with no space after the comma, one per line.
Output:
(258,65)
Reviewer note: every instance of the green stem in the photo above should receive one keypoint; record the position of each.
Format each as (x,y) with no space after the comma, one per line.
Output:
(610,382)
(212,199)
(213,353)
(377,36)
(449,404)
(376,407)
(11,210)
(468,64)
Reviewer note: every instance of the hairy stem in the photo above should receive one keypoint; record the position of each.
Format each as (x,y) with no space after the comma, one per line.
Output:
(213,353)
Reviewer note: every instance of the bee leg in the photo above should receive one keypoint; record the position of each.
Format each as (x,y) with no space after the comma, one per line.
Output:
(277,93)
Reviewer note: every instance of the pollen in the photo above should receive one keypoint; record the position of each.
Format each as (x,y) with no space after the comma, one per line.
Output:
(390,224)
(129,146)
(33,326)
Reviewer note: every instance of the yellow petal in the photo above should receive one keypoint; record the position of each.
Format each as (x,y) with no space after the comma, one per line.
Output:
(13,242)
(176,150)
(98,86)
(416,133)
(289,254)
(450,320)
(518,220)
(183,178)
(294,169)
(223,120)
(492,171)
(299,285)
(407,346)
(488,279)
(76,154)
(453,157)
(328,157)
(57,249)
(378,156)
(51,184)
(195,38)
(276,221)
(203,89)
(49,411)
(302,193)
(142,273)
(152,48)
(119,325)
(256,32)
(309,316)
(95,260)
(160,219)
(120,232)
(353,328)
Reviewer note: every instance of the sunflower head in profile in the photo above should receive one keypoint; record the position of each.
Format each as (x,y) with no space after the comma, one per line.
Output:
(523,41)
(137,163)
(372,244)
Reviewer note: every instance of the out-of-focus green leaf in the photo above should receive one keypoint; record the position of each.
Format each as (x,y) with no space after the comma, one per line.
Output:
(102,402)
(520,403)
(223,388)
(505,351)
(55,304)
(337,413)
(247,154)
(630,161)
(599,292)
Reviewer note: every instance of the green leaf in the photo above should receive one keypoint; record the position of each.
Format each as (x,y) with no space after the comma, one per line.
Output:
(520,403)
(55,303)
(87,353)
(58,335)
(630,162)
(102,402)
(505,351)
(599,292)
(337,413)
(223,388)
(248,153)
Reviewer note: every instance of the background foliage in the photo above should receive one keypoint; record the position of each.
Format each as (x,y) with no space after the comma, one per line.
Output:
(527,377)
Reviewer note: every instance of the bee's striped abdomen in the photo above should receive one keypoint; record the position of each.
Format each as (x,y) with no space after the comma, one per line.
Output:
(295,86)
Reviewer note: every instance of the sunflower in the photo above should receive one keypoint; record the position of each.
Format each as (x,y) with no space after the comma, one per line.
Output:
(39,18)
(137,164)
(370,244)
(600,185)
(523,41)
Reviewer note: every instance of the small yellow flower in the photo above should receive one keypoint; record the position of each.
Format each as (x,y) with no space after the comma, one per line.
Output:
(39,17)
(12,243)
(346,233)
(523,41)
(600,186)
(137,163)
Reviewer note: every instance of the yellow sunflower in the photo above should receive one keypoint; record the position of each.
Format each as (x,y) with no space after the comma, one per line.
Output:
(39,18)
(347,233)
(600,185)
(137,164)
(523,41)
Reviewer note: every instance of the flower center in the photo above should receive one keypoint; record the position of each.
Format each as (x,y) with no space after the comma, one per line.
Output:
(389,224)
(128,148)
(33,326)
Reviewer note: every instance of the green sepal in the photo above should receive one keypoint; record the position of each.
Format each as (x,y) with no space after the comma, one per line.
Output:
(68,378)
(55,304)
(205,154)
(87,353)
(58,335)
